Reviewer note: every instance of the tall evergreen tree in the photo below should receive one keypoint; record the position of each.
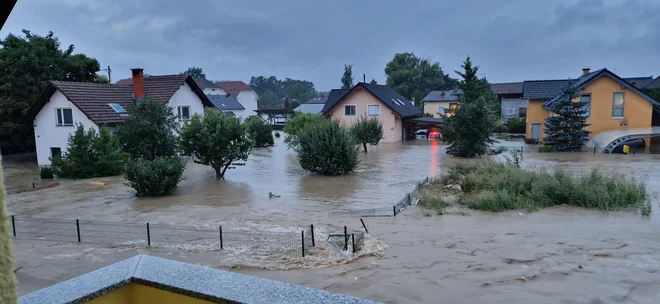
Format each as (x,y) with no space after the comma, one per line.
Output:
(566,129)
(347,79)
(469,129)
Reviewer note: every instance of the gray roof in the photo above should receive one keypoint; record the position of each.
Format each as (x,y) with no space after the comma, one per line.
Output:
(639,82)
(312,108)
(318,99)
(225,102)
(544,89)
(217,286)
(653,84)
(442,95)
(506,88)
(393,100)
(203,83)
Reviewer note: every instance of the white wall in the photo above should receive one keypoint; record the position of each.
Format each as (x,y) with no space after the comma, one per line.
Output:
(214,91)
(249,101)
(46,132)
(184,96)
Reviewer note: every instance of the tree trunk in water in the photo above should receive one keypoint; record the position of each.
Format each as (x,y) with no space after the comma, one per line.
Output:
(365,147)
(8,291)
(222,175)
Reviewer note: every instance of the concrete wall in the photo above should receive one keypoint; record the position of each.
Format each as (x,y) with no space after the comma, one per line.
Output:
(249,101)
(512,104)
(361,98)
(48,134)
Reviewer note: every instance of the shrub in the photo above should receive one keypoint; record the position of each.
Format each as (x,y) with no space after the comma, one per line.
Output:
(367,131)
(296,125)
(277,134)
(547,149)
(517,125)
(500,127)
(46,172)
(498,186)
(89,155)
(261,132)
(325,147)
(155,177)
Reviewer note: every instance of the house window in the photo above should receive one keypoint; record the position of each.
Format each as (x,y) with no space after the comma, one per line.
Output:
(522,112)
(617,105)
(374,110)
(64,117)
(55,151)
(441,110)
(586,104)
(349,110)
(510,112)
(453,106)
(184,113)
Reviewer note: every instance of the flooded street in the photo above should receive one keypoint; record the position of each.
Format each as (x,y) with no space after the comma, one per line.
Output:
(557,255)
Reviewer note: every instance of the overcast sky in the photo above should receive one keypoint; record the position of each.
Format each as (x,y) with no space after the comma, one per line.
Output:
(510,40)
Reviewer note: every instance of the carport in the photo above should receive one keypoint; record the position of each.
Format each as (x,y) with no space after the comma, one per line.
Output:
(415,123)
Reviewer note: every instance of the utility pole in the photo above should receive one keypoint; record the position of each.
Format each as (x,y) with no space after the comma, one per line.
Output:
(109,72)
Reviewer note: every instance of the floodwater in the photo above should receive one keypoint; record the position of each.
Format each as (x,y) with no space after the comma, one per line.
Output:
(557,255)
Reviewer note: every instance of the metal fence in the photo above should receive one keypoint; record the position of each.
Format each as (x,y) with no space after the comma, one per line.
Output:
(264,243)
(407,200)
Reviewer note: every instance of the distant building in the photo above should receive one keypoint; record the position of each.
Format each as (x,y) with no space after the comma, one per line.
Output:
(512,104)
(245,95)
(441,103)
(312,106)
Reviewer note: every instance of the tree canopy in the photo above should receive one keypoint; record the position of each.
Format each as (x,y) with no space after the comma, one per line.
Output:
(414,77)
(272,91)
(149,131)
(347,78)
(367,131)
(194,72)
(27,63)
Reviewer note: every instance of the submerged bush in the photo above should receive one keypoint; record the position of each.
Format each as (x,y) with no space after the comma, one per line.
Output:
(46,172)
(496,186)
(325,147)
(545,149)
(155,177)
(261,132)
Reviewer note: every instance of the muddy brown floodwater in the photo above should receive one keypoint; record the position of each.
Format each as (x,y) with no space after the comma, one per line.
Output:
(556,255)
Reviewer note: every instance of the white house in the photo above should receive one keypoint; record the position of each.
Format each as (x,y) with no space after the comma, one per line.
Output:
(245,95)
(65,104)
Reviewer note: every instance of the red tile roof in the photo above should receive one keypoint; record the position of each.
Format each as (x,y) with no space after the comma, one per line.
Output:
(233,87)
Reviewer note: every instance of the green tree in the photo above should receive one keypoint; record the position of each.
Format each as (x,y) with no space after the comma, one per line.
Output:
(269,100)
(296,125)
(565,131)
(216,140)
(327,148)
(653,93)
(8,286)
(413,77)
(272,91)
(347,79)
(469,130)
(156,177)
(262,133)
(367,131)
(149,131)
(194,72)
(110,159)
(27,63)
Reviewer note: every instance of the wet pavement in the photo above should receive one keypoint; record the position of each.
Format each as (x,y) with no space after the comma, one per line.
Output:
(557,255)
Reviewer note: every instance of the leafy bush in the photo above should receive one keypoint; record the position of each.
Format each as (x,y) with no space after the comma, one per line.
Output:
(546,149)
(325,147)
(296,125)
(498,186)
(517,125)
(262,133)
(46,172)
(155,177)
(500,127)
(89,155)
(367,131)
(216,140)
(277,134)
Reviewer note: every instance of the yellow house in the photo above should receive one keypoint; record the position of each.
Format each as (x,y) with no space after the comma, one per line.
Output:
(441,103)
(615,103)
(396,113)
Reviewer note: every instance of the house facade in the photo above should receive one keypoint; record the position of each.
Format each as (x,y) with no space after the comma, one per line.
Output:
(245,95)
(373,100)
(63,105)
(441,102)
(614,103)
(512,103)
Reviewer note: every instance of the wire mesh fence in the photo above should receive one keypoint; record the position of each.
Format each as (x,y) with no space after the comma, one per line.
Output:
(260,243)
(358,241)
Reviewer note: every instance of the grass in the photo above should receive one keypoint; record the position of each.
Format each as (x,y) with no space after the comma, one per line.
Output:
(547,149)
(494,186)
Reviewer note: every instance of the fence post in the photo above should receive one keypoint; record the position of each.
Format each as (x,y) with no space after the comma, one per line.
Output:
(78,229)
(353,241)
(345,238)
(394,210)
(409,201)
(302,238)
(363,225)
(13,225)
(221,246)
(313,242)
(148,236)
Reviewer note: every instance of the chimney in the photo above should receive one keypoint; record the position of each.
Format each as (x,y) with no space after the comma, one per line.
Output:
(138,83)
(442,92)
(373,81)
(585,70)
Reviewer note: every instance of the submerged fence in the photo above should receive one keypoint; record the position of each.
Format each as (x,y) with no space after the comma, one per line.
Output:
(407,200)
(266,243)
